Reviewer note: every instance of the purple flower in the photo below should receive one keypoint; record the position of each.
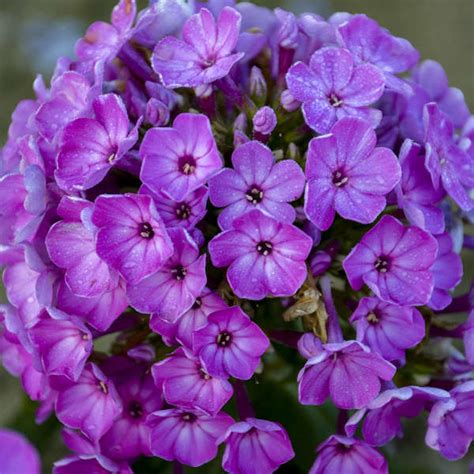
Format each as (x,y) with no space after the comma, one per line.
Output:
(185,213)
(62,346)
(450,427)
(96,464)
(340,454)
(91,404)
(256,446)
(179,160)
(264,122)
(386,328)
(188,437)
(205,53)
(394,261)
(131,238)
(173,289)
(347,174)
(256,182)
(332,87)
(266,257)
(348,372)
(369,43)
(230,345)
(445,160)
(382,421)
(90,147)
(186,384)
(195,318)
(415,192)
(17,454)
(447,272)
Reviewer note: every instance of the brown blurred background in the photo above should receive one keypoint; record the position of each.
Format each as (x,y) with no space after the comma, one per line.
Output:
(34,33)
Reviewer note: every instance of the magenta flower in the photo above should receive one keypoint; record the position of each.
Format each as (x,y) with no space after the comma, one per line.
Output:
(348,372)
(415,192)
(386,328)
(186,384)
(186,213)
(347,174)
(256,446)
(91,404)
(370,43)
(256,182)
(383,415)
(90,147)
(17,454)
(96,464)
(266,257)
(173,289)
(350,454)
(195,318)
(205,53)
(179,160)
(188,437)
(131,238)
(394,261)
(445,280)
(230,345)
(62,346)
(450,428)
(332,87)
(447,163)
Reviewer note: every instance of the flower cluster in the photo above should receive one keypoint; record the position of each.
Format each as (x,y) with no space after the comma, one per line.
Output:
(205,184)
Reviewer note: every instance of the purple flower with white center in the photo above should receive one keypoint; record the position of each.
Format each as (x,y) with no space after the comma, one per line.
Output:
(350,454)
(394,261)
(17,454)
(372,44)
(230,345)
(447,163)
(204,55)
(62,346)
(173,289)
(347,174)
(348,372)
(386,328)
(128,437)
(382,421)
(415,192)
(450,427)
(90,147)
(186,213)
(188,437)
(91,404)
(333,87)
(186,384)
(256,182)
(256,446)
(265,257)
(264,122)
(131,238)
(195,318)
(92,463)
(447,272)
(180,159)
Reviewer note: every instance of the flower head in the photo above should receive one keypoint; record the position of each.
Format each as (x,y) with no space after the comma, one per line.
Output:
(17,454)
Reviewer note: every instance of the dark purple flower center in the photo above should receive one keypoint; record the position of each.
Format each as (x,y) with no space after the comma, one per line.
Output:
(189,417)
(146,230)
(224,339)
(334,100)
(183,211)
(84,336)
(254,195)
(382,264)
(187,165)
(135,409)
(264,248)
(197,304)
(103,387)
(179,272)
(339,179)
(204,375)
(373,318)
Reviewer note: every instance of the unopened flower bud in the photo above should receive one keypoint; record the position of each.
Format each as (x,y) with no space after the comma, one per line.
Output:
(288,102)
(264,122)
(157,113)
(258,85)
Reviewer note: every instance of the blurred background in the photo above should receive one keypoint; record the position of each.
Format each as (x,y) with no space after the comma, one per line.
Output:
(34,33)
